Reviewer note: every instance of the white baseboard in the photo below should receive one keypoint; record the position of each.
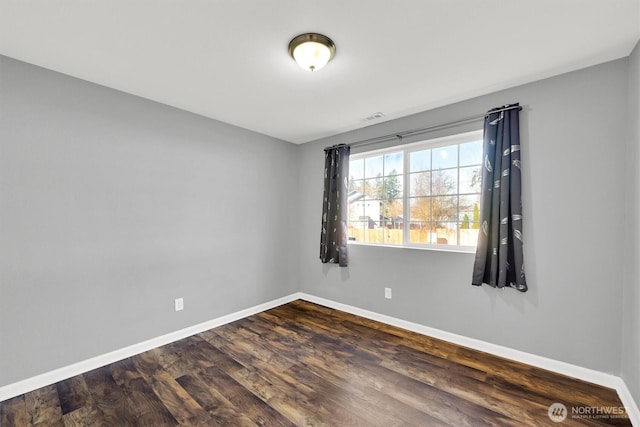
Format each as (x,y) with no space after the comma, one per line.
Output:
(33,383)
(585,374)
(629,403)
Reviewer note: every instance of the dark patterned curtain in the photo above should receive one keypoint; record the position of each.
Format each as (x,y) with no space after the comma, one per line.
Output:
(333,240)
(499,257)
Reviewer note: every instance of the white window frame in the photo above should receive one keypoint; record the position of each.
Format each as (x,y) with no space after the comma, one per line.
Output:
(450,140)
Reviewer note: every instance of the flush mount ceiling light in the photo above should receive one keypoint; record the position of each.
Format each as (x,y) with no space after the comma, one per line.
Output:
(312,51)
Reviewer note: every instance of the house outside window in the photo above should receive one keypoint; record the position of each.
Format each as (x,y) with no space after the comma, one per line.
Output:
(424,194)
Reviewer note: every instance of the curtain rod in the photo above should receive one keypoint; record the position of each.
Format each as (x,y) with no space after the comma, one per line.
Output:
(400,135)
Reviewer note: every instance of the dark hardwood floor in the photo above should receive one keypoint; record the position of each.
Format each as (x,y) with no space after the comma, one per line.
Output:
(307,365)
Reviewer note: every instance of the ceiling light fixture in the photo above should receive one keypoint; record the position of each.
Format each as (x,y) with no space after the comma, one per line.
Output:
(312,51)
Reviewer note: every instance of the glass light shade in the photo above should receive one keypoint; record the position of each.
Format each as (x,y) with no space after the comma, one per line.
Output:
(312,51)
(312,56)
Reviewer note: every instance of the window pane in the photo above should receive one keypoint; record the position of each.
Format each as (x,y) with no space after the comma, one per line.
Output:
(419,232)
(444,182)
(355,208)
(364,220)
(374,235)
(373,187)
(393,163)
(373,167)
(470,219)
(391,187)
(444,209)
(470,179)
(469,237)
(470,206)
(420,184)
(392,224)
(356,185)
(393,236)
(471,153)
(420,160)
(356,231)
(356,169)
(372,210)
(445,157)
(469,227)
(446,233)
(421,209)
(392,212)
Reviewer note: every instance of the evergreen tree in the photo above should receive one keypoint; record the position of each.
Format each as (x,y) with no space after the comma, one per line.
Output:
(465,222)
(391,187)
(476,216)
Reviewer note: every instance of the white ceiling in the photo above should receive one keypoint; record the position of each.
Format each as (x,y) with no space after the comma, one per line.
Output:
(228,60)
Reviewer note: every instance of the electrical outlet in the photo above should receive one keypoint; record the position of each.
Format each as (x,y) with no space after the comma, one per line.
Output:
(178,304)
(387,293)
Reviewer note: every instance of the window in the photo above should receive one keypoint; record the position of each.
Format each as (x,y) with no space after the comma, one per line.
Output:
(421,194)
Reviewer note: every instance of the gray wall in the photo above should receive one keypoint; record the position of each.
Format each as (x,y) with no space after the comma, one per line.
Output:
(631,291)
(574,133)
(111,206)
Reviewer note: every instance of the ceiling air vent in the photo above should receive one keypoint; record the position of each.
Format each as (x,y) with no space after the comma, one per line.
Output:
(374,116)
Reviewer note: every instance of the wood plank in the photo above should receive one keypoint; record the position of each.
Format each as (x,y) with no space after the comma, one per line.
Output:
(148,408)
(109,399)
(178,402)
(86,416)
(13,412)
(73,394)
(245,400)
(223,412)
(43,407)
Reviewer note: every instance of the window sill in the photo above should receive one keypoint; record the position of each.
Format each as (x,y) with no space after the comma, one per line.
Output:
(437,248)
